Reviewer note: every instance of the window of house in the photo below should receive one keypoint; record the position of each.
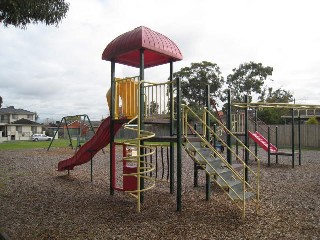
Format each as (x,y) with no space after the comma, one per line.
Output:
(15,116)
(19,129)
(30,116)
(33,129)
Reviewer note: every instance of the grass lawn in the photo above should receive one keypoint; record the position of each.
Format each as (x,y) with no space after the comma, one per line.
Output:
(13,145)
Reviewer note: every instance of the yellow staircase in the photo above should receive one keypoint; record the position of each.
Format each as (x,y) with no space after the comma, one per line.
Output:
(238,185)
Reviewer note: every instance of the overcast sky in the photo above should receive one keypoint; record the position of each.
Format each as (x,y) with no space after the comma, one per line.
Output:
(58,71)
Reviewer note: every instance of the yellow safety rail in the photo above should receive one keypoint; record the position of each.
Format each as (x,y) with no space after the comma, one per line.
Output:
(143,167)
(237,124)
(248,186)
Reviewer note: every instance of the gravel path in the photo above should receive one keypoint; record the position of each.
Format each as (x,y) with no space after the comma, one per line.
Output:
(38,202)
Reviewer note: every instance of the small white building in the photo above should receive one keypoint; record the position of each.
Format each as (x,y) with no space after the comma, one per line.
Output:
(17,124)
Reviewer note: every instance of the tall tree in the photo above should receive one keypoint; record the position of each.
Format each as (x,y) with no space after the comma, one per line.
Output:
(276,96)
(1,101)
(20,13)
(247,79)
(274,115)
(194,80)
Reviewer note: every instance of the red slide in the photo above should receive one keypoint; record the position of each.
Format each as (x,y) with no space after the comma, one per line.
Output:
(262,142)
(90,148)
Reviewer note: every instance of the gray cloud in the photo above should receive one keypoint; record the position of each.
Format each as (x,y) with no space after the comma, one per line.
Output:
(59,71)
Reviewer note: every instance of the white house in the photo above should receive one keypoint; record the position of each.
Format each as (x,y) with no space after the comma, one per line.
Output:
(17,124)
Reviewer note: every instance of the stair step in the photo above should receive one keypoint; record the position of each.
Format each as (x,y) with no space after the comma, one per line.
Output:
(247,196)
(214,163)
(202,160)
(238,188)
(216,171)
(229,183)
(205,152)
(194,146)
(226,175)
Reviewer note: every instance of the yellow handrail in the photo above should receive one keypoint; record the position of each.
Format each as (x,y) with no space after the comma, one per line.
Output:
(236,175)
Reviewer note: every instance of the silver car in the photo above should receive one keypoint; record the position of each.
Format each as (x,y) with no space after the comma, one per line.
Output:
(40,137)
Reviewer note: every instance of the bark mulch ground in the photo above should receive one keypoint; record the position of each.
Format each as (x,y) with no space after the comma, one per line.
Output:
(38,202)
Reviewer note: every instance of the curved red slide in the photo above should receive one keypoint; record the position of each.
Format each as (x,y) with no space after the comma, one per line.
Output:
(90,148)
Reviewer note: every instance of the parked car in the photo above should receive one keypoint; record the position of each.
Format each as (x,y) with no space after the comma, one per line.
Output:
(40,137)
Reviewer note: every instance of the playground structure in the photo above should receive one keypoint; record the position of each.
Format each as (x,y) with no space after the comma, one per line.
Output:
(134,102)
(265,142)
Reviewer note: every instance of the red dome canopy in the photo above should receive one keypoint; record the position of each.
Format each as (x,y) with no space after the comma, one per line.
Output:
(125,49)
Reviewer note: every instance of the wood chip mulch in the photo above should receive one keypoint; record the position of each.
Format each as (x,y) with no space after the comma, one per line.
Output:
(38,202)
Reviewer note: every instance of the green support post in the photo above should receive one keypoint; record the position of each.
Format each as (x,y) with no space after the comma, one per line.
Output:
(292,137)
(255,129)
(54,136)
(229,156)
(70,140)
(299,138)
(237,144)
(195,174)
(112,107)
(214,140)
(141,119)
(208,139)
(246,139)
(171,129)
(277,156)
(179,145)
(269,146)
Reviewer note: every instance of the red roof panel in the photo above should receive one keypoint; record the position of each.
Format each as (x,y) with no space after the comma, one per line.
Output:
(125,49)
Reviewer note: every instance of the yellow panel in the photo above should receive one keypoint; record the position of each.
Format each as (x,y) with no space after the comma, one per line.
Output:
(128,90)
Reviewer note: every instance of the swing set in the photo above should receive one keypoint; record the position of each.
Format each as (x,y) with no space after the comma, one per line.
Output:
(83,129)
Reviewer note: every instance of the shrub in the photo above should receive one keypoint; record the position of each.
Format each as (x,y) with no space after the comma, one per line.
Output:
(312,120)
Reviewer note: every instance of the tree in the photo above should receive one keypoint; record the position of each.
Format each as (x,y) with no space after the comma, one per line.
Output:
(153,108)
(19,13)
(194,80)
(1,101)
(278,96)
(247,79)
(273,115)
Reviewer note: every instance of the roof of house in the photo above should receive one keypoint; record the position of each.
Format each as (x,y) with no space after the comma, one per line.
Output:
(12,110)
(158,49)
(25,122)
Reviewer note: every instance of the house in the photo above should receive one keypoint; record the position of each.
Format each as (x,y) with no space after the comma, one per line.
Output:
(17,124)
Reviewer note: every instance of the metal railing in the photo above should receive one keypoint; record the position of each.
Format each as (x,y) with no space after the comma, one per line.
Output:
(157,99)
(251,185)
